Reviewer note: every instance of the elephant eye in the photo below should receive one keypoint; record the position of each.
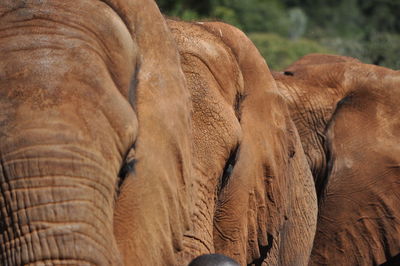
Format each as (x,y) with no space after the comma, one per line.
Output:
(228,169)
(128,167)
(238,101)
(288,73)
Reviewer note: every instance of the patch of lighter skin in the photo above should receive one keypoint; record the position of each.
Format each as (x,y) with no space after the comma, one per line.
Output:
(387,128)
(220,32)
(209,48)
(284,90)
(345,162)
(48,61)
(360,74)
(241,82)
(394,78)
(121,33)
(201,23)
(349,78)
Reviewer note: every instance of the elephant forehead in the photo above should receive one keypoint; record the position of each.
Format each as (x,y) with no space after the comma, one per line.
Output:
(58,58)
(195,41)
(94,18)
(216,126)
(77,29)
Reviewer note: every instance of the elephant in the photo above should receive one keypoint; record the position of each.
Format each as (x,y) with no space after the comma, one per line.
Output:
(253,194)
(345,112)
(92,98)
(121,145)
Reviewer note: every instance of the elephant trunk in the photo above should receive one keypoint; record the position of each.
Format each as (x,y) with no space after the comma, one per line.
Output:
(56,201)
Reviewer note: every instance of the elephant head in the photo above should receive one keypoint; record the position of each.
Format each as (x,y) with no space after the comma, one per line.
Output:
(345,112)
(253,195)
(75,79)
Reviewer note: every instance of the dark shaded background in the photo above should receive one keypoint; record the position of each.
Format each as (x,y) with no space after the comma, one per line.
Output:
(285,30)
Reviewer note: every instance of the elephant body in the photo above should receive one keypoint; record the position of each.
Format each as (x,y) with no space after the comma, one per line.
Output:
(345,112)
(253,195)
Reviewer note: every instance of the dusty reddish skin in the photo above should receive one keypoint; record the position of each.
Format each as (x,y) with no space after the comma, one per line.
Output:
(152,211)
(266,212)
(347,115)
(69,117)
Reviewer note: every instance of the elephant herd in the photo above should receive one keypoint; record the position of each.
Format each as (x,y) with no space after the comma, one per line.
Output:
(127,138)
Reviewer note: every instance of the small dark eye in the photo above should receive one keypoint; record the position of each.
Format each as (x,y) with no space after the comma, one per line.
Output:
(288,73)
(229,165)
(127,168)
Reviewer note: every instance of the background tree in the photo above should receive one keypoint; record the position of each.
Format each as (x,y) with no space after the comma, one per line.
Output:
(285,30)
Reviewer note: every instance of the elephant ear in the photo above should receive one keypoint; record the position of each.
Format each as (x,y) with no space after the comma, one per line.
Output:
(152,210)
(270,195)
(359,214)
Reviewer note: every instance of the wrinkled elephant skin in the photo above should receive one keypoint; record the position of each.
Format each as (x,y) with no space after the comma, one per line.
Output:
(71,75)
(346,113)
(254,197)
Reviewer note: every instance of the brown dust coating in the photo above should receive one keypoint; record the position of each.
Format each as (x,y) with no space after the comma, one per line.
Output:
(68,118)
(267,208)
(346,114)
(152,210)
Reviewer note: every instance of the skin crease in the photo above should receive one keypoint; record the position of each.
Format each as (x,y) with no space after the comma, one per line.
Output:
(248,217)
(152,210)
(345,112)
(86,67)
(216,129)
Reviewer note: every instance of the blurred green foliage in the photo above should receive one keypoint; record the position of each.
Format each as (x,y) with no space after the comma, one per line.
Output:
(285,30)
(281,52)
